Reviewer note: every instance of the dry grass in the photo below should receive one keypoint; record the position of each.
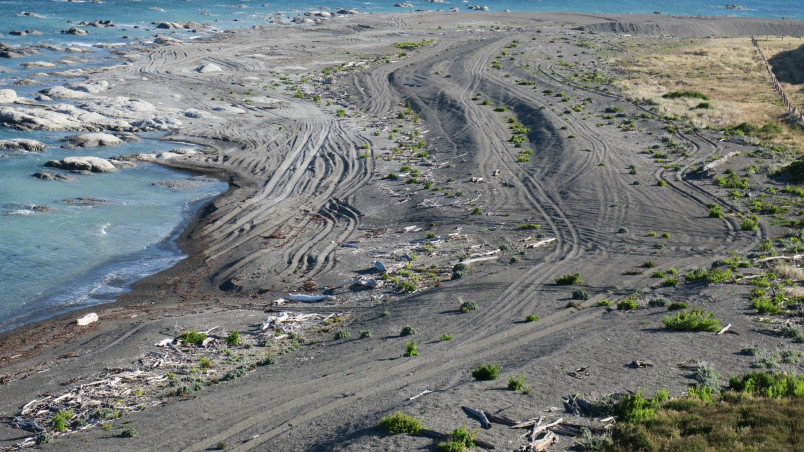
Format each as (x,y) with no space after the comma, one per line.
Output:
(796,293)
(787,271)
(790,66)
(728,70)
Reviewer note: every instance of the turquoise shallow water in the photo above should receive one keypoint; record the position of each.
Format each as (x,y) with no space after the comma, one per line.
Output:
(75,255)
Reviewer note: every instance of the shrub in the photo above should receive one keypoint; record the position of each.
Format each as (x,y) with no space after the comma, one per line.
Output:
(446,337)
(718,276)
(658,302)
(128,432)
(477,211)
(411,349)
(343,334)
(570,280)
(749,224)
(677,306)
(708,377)
(460,440)
(516,383)
(661,183)
(528,226)
(670,282)
(658,274)
(772,385)
(487,372)
(687,93)
(340,112)
(104,413)
(588,441)
(715,211)
(694,320)
(605,303)
(751,351)
(636,408)
(267,361)
(629,304)
(233,338)
(792,332)
(703,106)
(192,337)
(622,230)
(365,334)
(532,318)
(407,331)
(44,438)
(468,306)
(460,270)
(400,423)
(580,294)
(60,420)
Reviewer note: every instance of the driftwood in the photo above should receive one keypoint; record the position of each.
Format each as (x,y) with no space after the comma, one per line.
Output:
(710,166)
(479,259)
(309,298)
(580,373)
(499,419)
(370,283)
(637,364)
(541,444)
(724,329)
(540,243)
(794,257)
(537,429)
(529,423)
(479,415)
(446,437)
(426,391)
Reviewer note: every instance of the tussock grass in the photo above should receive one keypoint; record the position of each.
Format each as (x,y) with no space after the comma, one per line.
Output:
(787,271)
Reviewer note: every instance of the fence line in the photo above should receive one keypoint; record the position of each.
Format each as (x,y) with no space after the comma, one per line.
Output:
(795,116)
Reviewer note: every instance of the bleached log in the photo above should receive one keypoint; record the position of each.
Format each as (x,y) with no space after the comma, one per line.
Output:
(540,243)
(30,405)
(710,166)
(164,342)
(479,259)
(794,257)
(426,391)
(539,429)
(724,329)
(484,421)
(309,298)
(541,444)
(529,422)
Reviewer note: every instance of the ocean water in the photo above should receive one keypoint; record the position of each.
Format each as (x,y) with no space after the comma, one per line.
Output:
(66,254)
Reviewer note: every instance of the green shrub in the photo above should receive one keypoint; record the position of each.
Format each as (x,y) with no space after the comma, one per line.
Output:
(487,372)
(670,282)
(267,360)
(532,318)
(365,334)
(460,440)
(588,441)
(677,306)
(446,337)
(59,421)
(658,274)
(703,106)
(192,337)
(233,338)
(44,438)
(636,408)
(605,303)
(771,385)
(528,226)
(628,304)
(792,332)
(715,211)
(661,183)
(580,294)
(687,93)
(468,306)
(340,112)
(411,349)
(749,224)
(343,334)
(407,330)
(104,413)
(460,270)
(516,383)
(658,302)
(570,280)
(128,432)
(400,423)
(765,305)
(477,211)
(694,320)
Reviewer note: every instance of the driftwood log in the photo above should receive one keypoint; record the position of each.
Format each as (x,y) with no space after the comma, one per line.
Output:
(479,415)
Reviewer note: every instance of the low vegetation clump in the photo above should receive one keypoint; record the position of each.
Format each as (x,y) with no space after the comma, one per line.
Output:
(487,372)
(233,338)
(715,211)
(677,306)
(692,320)
(460,270)
(532,318)
(446,337)
(411,349)
(407,330)
(128,432)
(580,294)
(343,334)
(629,304)
(760,411)
(401,423)
(605,303)
(516,383)
(192,337)
(410,45)
(460,440)
(59,421)
(468,306)
(686,94)
(570,280)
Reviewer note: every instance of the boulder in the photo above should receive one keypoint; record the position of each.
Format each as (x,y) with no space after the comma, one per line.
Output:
(86,163)
(44,175)
(59,117)
(75,31)
(91,140)
(23,144)
(208,67)
(7,96)
(347,12)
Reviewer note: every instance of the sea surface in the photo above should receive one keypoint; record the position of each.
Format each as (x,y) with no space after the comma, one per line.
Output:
(57,253)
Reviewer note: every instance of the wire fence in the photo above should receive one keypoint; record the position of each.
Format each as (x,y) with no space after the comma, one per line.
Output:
(795,116)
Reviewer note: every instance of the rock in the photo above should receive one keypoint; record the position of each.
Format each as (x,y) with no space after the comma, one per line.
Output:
(198,114)
(165,40)
(59,117)
(87,319)
(347,12)
(404,5)
(75,31)
(8,96)
(158,123)
(61,92)
(89,87)
(37,64)
(98,24)
(208,67)
(478,8)
(23,144)
(8,51)
(165,25)
(85,201)
(43,98)
(28,14)
(91,140)
(86,163)
(41,208)
(17,33)
(119,107)
(44,175)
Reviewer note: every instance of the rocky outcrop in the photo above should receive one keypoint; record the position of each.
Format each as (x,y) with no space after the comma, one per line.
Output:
(208,67)
(75,31)
(83,164)
(8,51)
(8,96)
(91,140)
(23,144)
(165,25)
(60,117)
(61,177)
